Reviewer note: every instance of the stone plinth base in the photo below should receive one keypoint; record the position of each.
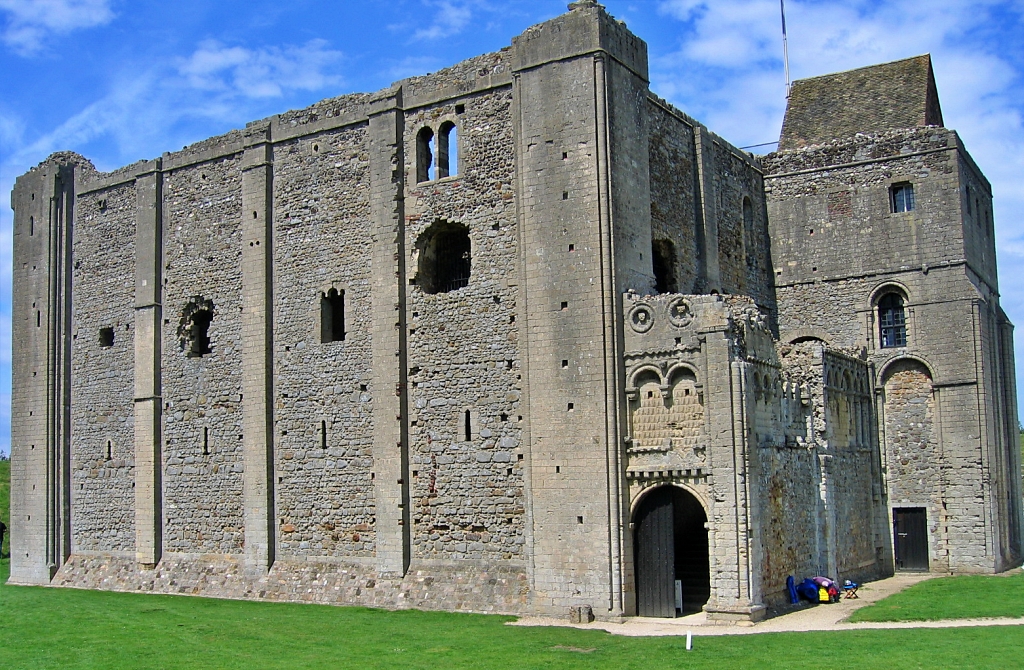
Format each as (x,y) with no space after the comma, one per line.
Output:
(502,589)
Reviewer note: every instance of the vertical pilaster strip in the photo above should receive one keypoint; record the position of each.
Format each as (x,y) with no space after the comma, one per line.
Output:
(390,439)
(148,348)
(708,208)
(257,350)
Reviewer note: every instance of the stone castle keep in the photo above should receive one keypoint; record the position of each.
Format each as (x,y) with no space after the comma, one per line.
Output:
(518,336)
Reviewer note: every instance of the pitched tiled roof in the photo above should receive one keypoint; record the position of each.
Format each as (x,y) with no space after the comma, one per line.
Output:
(883,97)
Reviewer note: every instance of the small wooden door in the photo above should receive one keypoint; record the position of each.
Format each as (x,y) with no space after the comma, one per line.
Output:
(654,543)
(910,538)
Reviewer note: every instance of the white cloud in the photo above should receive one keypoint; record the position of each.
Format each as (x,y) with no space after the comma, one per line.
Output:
(260,73)
(29,22)
(448,18)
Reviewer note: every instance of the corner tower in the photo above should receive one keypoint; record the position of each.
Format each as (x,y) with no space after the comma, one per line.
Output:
(584,230)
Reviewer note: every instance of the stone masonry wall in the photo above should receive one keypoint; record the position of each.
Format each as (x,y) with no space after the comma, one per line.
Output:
(673,206)
(467,490)
(102,430)
(323,407)
(202,395)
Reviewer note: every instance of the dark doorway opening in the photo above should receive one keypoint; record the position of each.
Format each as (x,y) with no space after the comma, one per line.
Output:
(664,253)
(670,550)
(910,538)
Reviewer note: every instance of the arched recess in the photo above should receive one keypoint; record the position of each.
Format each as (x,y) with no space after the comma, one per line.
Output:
(913,457)
(799,335)
(670,552)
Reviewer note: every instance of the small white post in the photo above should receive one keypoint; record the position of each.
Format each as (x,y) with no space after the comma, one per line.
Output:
(689,640)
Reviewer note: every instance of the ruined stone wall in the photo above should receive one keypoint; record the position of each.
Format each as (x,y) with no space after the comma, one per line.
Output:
(855,512)
(323,408)
(102,423)
(464,362)
(202,394)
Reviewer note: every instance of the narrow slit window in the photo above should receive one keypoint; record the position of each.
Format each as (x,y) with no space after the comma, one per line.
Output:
(323,435)
(447,150)
(31,225)
(468,425)
(901,197)
(206,441)
(424,155)
(110,451)
(892,321)
(332,316)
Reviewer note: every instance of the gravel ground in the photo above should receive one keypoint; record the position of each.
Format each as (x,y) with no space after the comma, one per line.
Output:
(805,618)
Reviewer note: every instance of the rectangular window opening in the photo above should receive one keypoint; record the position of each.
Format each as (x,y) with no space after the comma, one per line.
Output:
(901,198)
(206,441)
(332,316)
(469,426)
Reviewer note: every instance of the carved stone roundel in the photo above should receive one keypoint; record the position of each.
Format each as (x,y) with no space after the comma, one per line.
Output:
(641,318)
(679,313)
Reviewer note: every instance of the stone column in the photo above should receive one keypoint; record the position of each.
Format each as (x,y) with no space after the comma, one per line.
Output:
(148,347)
(257,350)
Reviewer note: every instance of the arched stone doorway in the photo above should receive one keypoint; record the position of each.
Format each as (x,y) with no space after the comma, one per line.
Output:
(670,544)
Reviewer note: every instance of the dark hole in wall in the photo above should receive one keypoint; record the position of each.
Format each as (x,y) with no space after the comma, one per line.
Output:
(106,337)
(445,258)
(194,327)
(332,316)
(664,254)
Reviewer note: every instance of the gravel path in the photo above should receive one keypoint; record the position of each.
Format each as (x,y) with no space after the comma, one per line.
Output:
(807,618)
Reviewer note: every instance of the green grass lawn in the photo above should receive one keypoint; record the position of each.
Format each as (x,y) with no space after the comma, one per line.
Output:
(65,628)
(964,597)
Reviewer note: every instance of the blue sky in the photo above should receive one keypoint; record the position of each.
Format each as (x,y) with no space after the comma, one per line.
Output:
(120,81)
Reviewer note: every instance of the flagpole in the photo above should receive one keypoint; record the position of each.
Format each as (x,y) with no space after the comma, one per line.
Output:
(785,45)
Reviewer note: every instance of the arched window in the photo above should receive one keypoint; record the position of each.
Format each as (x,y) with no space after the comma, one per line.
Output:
(892,321)
(664,254)
(444,257)
(447,150)
(424,155)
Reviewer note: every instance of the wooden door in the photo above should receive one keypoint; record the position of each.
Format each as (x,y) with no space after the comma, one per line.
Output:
(910,538)
(654,546)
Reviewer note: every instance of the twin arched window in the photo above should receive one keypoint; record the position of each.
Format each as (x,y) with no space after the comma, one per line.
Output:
(437,157)
(892,321)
